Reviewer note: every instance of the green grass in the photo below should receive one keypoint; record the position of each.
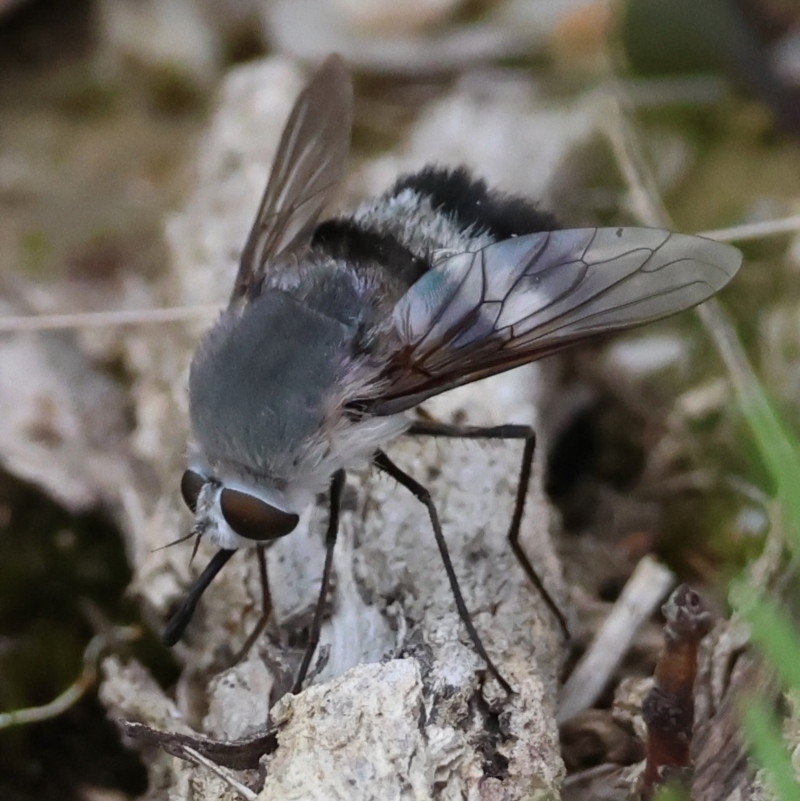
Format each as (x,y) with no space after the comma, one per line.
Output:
(671,792)
(779,452)
(773,631)
(766,746)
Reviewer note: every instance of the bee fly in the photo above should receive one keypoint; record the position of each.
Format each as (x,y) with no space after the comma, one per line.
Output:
(335,330)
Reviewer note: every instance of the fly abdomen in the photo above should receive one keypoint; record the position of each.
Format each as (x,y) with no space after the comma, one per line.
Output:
(434,211)
(362,247)
(472,206)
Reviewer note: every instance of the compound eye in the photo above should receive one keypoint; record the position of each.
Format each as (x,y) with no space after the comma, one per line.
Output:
(254,519)
(191,484)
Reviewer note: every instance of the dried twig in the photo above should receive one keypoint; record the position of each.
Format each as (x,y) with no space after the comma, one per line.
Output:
(232,782)
(668,709)
(759,230)
(104,319)
(241,754)
(644,591)
(81,685)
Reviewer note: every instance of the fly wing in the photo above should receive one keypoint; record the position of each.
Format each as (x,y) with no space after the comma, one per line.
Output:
(308,167)
(476,314)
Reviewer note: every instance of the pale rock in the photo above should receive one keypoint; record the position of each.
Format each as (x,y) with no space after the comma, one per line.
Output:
(63,420)
(372,38)
(413,38)
(496,124)
(389,17)
(233,163)
(238,700)
(644,355)
(167,35)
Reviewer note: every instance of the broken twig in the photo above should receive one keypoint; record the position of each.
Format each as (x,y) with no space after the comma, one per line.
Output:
(668,709)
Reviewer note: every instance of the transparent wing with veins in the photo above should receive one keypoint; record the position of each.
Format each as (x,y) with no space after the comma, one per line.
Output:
(308,167)
(477,314)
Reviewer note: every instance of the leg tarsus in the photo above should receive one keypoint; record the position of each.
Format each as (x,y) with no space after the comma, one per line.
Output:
(337,485)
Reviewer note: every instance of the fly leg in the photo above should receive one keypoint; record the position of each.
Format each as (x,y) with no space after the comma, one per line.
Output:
(266,607)
(430,428)
(337,485)
(384,463)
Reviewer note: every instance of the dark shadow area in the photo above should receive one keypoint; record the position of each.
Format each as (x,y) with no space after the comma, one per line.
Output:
(52,566)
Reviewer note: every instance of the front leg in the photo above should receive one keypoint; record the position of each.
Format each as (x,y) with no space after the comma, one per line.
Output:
(337,485)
